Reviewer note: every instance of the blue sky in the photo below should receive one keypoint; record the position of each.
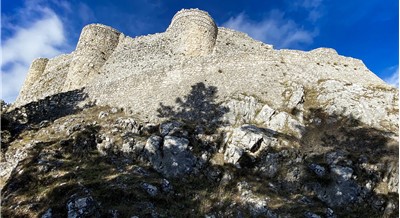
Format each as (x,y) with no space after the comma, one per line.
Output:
(367,30)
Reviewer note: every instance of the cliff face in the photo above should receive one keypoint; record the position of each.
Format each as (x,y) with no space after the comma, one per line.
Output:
(199,120)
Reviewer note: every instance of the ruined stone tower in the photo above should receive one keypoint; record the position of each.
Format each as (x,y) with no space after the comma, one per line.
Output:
(193,32)
(95,45)
(34,74)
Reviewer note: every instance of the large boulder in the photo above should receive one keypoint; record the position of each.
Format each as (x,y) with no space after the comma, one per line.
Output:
(248,139)
(170,155)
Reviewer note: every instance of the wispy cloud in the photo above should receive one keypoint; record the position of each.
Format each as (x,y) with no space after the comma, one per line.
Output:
(41,37)
(313,8)
(393,78)
(65,5)
(274,29)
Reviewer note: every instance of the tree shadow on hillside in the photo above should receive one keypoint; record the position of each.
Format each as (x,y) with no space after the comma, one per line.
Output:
(198,108)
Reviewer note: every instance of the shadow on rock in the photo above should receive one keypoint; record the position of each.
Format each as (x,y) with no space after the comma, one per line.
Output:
(345,167)
(175,151)
(198,108)
(40,113)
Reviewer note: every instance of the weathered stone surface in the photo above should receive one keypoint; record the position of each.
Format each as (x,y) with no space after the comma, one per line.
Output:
(318,169)
(172,128)
(153,150)
(166,186)
(47,214)
(342,173)
(248,139)
(233,154)
(366,104)
(177,158)
(133,148)
(338,193)
(270,165)
(12,157)
(170,155)
(257,206)
(150,189)
(128,124)
(309,214)
(330,213)
(242,110)
(82,207)
(265,114)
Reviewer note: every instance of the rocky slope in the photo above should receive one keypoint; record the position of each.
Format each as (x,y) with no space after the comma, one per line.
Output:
(167,125)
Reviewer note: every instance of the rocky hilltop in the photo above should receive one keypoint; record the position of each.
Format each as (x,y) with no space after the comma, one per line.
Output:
(199,121)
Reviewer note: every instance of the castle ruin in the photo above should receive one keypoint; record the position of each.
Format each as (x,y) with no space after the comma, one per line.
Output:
(144,71)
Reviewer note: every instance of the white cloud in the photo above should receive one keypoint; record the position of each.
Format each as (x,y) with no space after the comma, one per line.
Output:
(12,81)
(43,37)
(275,30)
(393,79)
(314,15)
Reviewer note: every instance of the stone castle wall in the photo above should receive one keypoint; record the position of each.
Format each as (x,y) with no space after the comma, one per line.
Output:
(144,71)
